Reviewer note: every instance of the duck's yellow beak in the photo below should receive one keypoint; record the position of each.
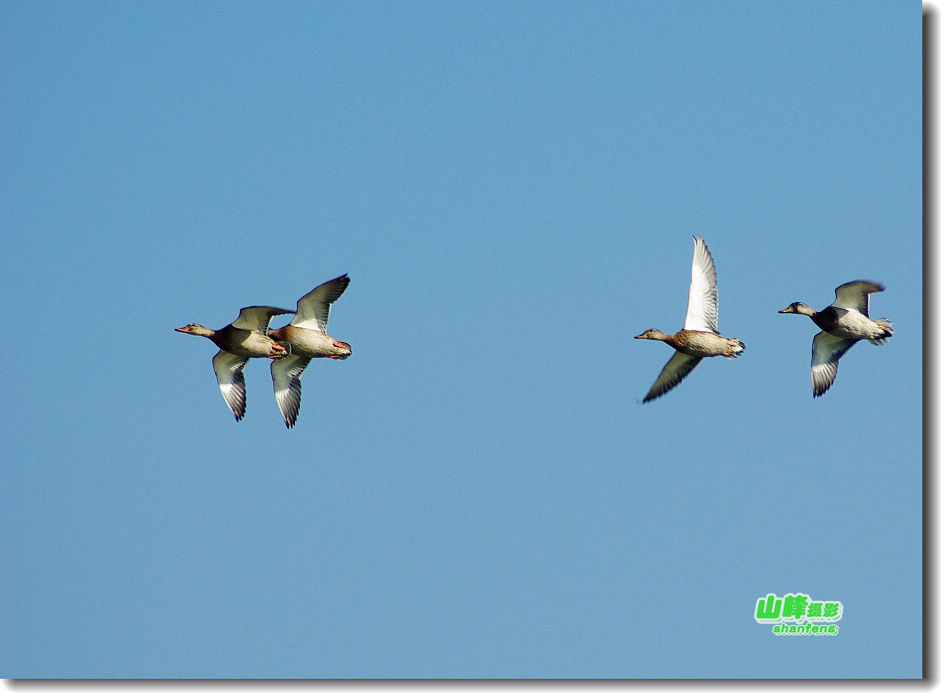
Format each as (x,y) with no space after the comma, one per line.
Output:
(787,310)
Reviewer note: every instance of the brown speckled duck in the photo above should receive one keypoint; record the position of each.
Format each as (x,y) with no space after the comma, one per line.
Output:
(843,323)
(306,338)
(243,339)
(699,337)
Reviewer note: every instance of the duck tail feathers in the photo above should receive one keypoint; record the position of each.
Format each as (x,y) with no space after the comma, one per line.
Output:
(887,330)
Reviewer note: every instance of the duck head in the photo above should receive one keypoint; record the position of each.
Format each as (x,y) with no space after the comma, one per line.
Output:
(800,308)
(652,334)
(195,329)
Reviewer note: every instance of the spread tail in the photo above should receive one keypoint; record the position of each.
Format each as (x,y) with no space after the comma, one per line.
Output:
(887,330)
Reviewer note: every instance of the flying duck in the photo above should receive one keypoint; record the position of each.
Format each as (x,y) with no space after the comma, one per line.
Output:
(699,337)
(305,338)
(241,340)
(842,324)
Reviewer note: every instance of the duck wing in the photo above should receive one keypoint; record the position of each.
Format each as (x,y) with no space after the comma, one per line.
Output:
(229,368)
(286,373)
(257,318)
(313,310)
(826,350)
(854,295)
(702,312)
(675,371)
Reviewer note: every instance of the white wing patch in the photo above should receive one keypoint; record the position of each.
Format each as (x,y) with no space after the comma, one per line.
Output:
(313,310)
(702,312)
(826,350)
(229,368)
(854,295)
(675,371)
(257,317)
(286,373)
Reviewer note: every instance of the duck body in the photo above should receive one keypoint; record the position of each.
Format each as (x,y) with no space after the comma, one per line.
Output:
(698,343)
(305,338)
(846,323)
(243,343)
(700,336)
(843,324)
(244,339)
(304,342)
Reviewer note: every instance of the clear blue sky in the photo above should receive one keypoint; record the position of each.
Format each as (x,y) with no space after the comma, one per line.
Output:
(478,491)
